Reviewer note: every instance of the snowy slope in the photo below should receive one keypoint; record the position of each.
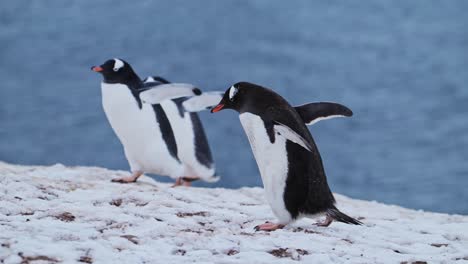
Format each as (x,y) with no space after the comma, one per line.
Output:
(75,214)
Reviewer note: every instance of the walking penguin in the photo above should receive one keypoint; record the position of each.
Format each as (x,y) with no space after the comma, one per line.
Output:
(289,162)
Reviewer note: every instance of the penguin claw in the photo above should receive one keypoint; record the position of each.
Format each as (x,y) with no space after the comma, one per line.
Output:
(130,179)
(325,223)
(184,181)
(257,227)
(267,226)
(177,183)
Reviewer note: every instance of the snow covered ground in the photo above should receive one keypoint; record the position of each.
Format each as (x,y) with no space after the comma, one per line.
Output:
(63,214)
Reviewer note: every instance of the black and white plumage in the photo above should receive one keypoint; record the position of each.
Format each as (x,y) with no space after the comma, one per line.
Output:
(194,100)
(193,148)
(154,136)
(288,159)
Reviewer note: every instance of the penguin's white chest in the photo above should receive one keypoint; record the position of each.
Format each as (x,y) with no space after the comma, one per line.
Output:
(138,131)
(272,161)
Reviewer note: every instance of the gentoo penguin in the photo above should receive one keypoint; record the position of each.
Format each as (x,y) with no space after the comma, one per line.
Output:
(147,131)
(288,159)
(193,148)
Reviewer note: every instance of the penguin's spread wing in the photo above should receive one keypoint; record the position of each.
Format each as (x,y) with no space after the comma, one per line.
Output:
(289,134)
(162,92)
(314,112)
(202,102)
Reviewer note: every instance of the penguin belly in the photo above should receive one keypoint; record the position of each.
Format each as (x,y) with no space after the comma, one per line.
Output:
(139,132)
(272,161)
(184,133)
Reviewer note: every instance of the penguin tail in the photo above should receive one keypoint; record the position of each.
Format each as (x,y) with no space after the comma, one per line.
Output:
(341,217)
(213,178)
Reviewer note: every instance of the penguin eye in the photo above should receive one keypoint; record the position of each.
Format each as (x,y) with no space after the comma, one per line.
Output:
(116,69)
(232,92)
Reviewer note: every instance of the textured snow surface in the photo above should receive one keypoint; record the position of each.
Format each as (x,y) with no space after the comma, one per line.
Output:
(63,214)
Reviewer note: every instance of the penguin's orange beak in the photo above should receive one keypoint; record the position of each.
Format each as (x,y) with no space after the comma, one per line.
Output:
(97,69)
(217,108)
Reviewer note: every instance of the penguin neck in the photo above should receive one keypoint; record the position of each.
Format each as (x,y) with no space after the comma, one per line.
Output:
(134,87)
(134,84)
(130,78)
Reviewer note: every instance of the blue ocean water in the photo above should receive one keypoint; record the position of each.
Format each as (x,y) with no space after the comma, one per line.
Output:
(401,66)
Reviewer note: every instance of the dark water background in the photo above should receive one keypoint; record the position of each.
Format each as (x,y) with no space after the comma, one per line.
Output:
(401,66)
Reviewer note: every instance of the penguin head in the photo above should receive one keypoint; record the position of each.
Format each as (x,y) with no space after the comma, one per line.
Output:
(116,71)
(237,97)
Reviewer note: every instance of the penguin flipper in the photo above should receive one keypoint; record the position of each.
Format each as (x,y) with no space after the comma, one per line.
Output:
(313,112)
(162,92)
(157,79)
(202,102)
(291,135)
(213,179)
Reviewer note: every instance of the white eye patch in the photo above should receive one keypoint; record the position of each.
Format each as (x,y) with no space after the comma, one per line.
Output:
(232,92)
(118,64)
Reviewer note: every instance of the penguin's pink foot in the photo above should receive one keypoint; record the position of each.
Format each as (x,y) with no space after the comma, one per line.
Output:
(267,226)
(326,222)
(129,179)
(184,181)
(178,182)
